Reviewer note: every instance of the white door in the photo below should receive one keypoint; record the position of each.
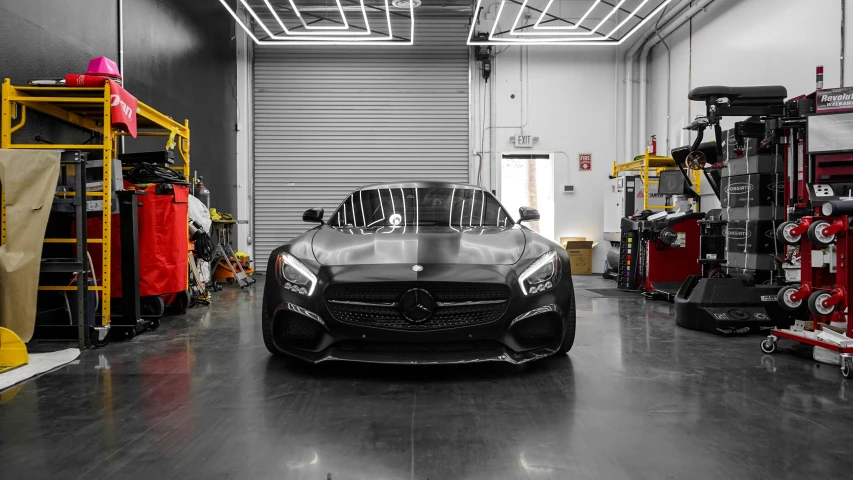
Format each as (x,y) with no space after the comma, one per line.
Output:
(527,180)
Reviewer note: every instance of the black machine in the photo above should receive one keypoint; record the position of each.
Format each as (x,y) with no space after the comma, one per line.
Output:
(745,168)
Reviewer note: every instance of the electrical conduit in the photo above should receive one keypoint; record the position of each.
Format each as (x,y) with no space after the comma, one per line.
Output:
(654,39)
(629,77)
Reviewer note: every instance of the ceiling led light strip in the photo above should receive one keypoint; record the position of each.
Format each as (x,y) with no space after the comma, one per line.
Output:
(492,38)
(303,36)
(591,32)
(563,27)
(310,40)
(345,26)
(288,32)
(559,40)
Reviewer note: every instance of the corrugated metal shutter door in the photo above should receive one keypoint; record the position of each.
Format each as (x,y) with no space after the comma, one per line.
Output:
(328,120)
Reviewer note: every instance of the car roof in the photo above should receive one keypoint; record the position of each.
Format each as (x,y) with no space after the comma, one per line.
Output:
(420,184)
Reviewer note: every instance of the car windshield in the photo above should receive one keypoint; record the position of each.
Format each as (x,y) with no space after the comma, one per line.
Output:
(442,206)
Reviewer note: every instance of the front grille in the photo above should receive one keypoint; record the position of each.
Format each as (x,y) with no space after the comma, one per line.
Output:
(417,349)
(382,309)
(300,328)
(539,327)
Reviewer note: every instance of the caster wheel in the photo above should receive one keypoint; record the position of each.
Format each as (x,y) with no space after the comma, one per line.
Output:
(816,235)
(816,300)
(784,298)
(97,342)
(783,233)
(154,324)
(846,367)
(767,346)
(230,280)
(124,334)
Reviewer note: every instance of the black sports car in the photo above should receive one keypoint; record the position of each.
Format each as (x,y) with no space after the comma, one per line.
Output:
(419,272)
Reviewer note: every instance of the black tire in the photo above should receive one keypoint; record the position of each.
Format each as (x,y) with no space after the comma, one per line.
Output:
(571,324)
(152,306)
(846,367)
(783,294)
(814,303)
(268,331)
(783,236)
(154,324)
(767,346)
(816,237)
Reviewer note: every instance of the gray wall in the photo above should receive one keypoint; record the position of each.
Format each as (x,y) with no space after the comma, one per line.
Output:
(179,58)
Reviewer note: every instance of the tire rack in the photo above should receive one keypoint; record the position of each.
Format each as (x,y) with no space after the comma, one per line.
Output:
(88,109)
(649,166)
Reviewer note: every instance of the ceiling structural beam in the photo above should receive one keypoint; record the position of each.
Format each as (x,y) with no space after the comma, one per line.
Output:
(623,10)
(282,32)
(553,17)
(530,25)
(374,7)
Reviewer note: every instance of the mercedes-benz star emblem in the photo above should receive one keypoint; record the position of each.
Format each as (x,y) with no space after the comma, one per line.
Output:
(417,305)
(417,268)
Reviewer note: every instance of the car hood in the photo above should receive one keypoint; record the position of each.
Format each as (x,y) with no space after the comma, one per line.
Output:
(424,245)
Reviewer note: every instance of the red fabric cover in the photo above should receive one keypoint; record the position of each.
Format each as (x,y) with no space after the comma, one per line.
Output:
(163,245)
(123,110)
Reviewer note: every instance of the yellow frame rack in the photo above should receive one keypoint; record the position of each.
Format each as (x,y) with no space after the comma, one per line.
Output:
(650,166)
(89,109)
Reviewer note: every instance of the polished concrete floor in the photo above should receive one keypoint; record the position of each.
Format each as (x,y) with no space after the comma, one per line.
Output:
(637,398)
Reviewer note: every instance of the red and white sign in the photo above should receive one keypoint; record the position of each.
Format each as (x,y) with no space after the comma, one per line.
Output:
(585,160)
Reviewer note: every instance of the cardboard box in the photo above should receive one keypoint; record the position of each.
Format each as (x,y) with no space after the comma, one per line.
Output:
(580,254)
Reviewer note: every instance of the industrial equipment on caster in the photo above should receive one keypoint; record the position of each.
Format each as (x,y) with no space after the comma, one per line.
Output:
(745,167)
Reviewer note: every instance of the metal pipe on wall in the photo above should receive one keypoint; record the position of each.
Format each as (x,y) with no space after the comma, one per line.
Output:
(644,60)
(121,56)
(629,76)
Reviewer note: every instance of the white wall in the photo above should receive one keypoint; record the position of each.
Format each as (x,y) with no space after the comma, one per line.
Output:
(569,97)
(743,43)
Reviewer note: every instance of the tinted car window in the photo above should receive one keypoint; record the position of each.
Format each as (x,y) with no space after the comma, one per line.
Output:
(420,206)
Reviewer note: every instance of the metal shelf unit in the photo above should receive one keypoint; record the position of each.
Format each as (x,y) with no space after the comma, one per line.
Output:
(648,166)
(89,109)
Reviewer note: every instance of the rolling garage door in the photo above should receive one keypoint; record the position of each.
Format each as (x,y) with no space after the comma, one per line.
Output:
(328,120)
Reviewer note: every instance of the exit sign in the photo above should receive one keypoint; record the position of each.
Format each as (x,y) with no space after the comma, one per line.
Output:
(524,141)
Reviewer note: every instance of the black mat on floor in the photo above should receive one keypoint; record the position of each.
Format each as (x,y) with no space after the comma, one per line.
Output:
(609,293)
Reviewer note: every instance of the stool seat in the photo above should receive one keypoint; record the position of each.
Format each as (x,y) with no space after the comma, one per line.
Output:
(769,94)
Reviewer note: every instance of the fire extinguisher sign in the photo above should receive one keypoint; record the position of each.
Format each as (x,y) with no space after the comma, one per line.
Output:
(585,161)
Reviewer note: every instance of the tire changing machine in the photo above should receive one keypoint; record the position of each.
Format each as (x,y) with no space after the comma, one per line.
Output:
(745,169)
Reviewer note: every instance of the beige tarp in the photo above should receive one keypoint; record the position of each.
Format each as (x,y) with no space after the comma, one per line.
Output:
(28,178)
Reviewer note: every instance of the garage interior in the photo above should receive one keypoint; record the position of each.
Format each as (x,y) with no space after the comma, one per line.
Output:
(684,168)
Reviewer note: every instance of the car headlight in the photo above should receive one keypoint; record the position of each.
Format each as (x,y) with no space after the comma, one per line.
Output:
(293,275)
(542,275)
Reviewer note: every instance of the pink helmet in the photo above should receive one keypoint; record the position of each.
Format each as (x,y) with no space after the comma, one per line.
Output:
(104,67)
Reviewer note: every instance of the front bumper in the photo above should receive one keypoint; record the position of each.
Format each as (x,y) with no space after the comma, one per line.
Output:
(495,341)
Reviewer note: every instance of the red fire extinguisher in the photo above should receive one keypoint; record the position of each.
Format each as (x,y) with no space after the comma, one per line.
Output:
(653,145)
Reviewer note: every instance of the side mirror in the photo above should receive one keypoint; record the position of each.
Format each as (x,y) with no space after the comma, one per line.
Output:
(527,214)
(313,215)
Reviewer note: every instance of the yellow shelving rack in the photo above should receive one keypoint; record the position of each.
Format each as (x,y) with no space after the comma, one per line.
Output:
(648,166)
(89,109)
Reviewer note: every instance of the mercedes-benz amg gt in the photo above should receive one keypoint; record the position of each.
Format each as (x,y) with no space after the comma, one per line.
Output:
(419,272)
